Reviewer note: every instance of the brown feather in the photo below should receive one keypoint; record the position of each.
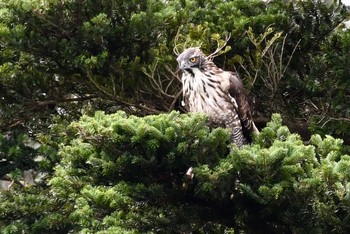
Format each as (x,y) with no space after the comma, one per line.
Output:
(219,94)
(237,91)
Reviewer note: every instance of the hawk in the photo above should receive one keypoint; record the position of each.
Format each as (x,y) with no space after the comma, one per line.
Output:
(219,94)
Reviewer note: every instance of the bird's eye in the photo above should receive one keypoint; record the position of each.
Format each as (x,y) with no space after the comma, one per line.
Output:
(193,59)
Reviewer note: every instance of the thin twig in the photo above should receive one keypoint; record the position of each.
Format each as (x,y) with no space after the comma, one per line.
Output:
(219,48)
(175,48)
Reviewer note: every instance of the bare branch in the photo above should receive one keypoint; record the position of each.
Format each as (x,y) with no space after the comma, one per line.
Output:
(162,84)
(176,46)
(56,101)
(104,91)
(290,58)
(219,48)
(334,119)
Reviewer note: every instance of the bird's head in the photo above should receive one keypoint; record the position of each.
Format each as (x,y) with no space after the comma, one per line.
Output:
(191,58)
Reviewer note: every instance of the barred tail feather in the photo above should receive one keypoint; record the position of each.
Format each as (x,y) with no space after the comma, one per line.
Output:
(238,137)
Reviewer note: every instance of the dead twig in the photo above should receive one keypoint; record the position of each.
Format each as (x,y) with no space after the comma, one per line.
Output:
(219,48)
(176,46)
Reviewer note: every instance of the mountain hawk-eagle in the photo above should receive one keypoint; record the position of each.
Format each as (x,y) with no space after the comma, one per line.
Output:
(218,93)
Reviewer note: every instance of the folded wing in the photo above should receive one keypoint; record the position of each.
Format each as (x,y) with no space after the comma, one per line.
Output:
(241,102)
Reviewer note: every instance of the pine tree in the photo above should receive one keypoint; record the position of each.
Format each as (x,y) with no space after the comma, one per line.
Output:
(124,173)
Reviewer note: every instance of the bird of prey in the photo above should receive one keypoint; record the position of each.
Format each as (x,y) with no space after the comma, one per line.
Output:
(219,94)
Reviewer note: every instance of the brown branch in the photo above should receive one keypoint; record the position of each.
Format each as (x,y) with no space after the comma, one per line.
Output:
(97,86)
(65,100)
(172,105)
(219,48)
(175,48)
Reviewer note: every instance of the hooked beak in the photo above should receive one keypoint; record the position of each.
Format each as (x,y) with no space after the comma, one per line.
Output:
(182,65)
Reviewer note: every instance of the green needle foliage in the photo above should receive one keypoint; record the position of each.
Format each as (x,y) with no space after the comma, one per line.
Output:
(120,173)
(62,61)
(71,57)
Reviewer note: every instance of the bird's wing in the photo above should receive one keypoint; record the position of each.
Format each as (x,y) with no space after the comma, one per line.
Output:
(240,96)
